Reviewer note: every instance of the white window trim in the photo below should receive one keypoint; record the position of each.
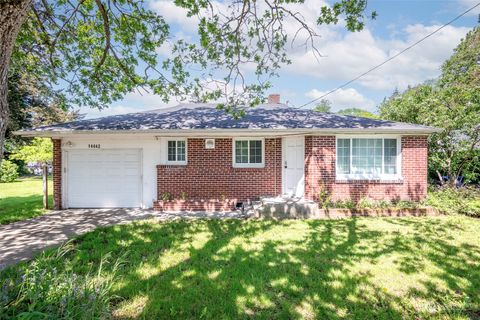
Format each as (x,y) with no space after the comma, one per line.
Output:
(248,165)
(177,163)
(382,177)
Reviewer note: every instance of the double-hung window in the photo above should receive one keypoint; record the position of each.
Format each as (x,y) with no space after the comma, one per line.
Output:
(248,153)
(368,158)
(176,151)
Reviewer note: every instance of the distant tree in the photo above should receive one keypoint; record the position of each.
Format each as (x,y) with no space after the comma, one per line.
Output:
(357,112)
(38,151)
(453,104)
(463,67)
(33,103)
(323,106)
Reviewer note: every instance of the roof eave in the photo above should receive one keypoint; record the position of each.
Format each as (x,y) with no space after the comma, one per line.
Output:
(233,132)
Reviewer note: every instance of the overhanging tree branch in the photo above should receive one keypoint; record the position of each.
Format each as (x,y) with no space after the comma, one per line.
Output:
(106,29)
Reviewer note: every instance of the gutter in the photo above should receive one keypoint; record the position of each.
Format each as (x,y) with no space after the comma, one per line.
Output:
(227,132)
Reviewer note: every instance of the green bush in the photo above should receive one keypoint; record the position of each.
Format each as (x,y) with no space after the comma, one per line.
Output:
(405,204)
(45,289)
(455,200)
(8,171)
(366,203)
(345,204)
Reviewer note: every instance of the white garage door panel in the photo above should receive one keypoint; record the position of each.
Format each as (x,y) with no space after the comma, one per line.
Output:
(104,178)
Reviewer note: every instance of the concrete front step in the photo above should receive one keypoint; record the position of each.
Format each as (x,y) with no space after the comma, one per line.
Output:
(284,208)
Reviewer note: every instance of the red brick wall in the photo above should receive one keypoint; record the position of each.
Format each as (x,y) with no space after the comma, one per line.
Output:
(57,174)
(209,173)
(320,155)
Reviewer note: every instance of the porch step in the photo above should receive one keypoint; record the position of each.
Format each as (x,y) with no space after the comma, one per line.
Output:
(285,208)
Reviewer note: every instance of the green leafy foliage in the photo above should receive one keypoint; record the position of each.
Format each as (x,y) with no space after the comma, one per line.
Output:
(183,196)
(39,150)
(357,112)
(455,200)
(324,196)
(100,50)
(367,203)
(463,68)
(323,106)
(32,102)
(453,104)
(167,196)
(44,290)
(353,9)
(8,171)
(91,48)
(344,204)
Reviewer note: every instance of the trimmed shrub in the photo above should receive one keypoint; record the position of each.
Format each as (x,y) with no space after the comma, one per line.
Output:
(8,171)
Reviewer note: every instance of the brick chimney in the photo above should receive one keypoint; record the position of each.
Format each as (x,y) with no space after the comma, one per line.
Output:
(274,98)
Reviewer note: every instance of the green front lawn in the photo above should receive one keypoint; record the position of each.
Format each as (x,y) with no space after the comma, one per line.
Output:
(383,268)
(22,199)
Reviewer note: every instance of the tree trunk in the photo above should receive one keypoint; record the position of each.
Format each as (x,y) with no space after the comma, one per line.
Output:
(45,185)
(440,178)
(452,178)
(12,15)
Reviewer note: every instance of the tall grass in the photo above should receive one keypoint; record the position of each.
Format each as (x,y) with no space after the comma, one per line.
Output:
(38,290)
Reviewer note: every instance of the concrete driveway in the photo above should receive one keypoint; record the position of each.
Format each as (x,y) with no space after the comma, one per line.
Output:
(22,240)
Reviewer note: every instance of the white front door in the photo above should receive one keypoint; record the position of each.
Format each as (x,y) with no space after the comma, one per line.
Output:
(105,178)
(294,166)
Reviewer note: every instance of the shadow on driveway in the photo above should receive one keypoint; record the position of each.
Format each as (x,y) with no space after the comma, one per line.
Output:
(22,240)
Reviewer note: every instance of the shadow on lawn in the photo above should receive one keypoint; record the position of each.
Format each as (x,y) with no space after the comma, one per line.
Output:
(309,275)
(458,265)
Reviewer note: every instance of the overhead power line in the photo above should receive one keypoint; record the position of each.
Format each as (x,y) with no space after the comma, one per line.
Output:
(391,58)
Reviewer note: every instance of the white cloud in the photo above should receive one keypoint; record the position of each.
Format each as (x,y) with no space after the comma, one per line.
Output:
(344,98)
(349,55)
(174,14)
(467,4)
(345,54)
(166,48)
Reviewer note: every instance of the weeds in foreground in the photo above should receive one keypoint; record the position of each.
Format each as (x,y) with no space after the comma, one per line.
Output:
(40,291)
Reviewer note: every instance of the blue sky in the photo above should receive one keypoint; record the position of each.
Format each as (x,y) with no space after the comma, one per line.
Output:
(346,55)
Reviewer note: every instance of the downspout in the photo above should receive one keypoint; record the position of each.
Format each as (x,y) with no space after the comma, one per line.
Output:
(275,170)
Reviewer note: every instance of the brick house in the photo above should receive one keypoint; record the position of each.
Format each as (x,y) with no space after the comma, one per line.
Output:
(197,152)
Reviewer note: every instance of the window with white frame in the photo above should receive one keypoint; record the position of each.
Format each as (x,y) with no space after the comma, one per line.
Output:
(248,153)
(176,152)
(368,158)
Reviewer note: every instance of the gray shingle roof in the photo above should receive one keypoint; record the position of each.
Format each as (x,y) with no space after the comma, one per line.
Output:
(206,116)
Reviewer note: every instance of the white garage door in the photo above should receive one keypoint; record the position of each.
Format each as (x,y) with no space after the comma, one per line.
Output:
(103,178)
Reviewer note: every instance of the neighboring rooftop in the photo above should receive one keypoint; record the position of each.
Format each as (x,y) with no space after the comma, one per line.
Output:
(191,116)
